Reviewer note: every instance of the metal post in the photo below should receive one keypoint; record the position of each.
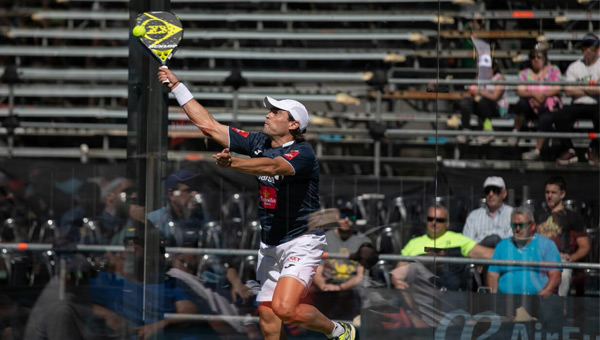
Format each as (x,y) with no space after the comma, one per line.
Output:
(377,146)
(147,138)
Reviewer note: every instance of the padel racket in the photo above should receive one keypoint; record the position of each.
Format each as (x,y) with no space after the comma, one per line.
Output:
(163,33)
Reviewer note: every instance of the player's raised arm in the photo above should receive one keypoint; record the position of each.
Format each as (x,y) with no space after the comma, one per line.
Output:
(194,110)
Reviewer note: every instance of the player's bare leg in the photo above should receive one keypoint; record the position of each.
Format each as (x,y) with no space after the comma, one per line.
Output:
(286,305)
(271,325)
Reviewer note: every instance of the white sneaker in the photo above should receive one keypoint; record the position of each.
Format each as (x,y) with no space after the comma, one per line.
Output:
(485,139)
(531,155)
(512,141)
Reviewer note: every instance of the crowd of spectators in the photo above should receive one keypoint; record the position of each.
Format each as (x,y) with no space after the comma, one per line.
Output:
(102,293)
(104,211)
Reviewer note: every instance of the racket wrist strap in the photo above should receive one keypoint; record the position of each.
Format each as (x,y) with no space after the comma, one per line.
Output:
(182,94)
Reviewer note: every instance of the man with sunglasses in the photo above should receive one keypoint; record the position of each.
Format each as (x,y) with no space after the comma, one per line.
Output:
(584,104)
(525,245)
(181,188)
(339,277)
(438,240)
(493,218)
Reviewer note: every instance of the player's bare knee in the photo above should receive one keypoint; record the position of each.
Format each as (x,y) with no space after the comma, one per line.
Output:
(284,311)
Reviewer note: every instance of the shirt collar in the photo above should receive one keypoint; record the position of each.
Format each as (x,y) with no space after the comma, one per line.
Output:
(487,209)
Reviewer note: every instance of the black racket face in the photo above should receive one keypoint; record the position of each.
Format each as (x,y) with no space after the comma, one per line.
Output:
(163,33)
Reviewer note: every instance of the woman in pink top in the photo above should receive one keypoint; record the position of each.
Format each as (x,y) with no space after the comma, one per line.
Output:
(538,101)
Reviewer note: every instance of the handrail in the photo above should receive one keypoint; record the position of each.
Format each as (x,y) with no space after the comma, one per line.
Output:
(251,252)
(121,74)
(196,53)
(296,34)
(86,129)
(99,91)
(565,15)
(274,16)
(283,1)
(398,55)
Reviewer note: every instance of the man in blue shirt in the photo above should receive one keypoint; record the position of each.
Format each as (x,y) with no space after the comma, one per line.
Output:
(287,172)
(525,245)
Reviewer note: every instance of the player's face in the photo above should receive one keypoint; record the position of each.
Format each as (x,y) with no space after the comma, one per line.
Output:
(522,227)
(437,222)
(277,123)
(554,195)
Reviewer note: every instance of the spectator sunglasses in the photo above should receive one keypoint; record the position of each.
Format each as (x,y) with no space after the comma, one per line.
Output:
(487,190)
(351,217)
(438,220)
(520,225)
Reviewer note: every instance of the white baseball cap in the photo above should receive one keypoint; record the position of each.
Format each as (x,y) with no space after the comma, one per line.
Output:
(494,181)
(294,107)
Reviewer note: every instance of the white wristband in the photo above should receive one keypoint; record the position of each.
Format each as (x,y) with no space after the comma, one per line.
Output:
(182,94)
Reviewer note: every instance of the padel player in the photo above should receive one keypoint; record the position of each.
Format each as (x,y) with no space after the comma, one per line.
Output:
(287,172)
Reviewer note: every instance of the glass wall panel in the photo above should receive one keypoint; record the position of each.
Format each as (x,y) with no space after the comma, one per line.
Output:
(456,144)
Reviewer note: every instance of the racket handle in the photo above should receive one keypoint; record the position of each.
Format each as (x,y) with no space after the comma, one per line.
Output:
(166,81)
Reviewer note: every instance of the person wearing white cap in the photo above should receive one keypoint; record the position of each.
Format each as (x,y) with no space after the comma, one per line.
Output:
(494,217)
(287,173)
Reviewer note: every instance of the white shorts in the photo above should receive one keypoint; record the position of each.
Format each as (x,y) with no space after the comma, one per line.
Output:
(298,258)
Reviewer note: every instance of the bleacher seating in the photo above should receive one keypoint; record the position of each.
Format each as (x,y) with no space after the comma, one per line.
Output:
(73,57)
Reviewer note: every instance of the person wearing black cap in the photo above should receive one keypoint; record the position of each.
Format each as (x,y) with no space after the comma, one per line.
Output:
(341,278)
(584,104)
(181,187)
(287,173)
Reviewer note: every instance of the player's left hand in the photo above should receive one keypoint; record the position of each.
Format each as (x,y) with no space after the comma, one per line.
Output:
(223,158)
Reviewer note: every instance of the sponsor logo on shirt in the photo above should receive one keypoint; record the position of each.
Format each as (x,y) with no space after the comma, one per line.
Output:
(293,259)
(241,132)
(270,179)
(268,197)
(291,154)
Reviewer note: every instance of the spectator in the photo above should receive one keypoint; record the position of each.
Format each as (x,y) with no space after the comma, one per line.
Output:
(115,213)
(494,217)
(180,210)
(341,277)
(64,308)
(440,241)
(565,227)
(487,102)
(525,245)
(118,297)
(87,206)
(185,268)
(537,101)
(584,103)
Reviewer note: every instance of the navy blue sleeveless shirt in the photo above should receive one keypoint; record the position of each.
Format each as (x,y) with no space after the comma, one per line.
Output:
(285,201)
